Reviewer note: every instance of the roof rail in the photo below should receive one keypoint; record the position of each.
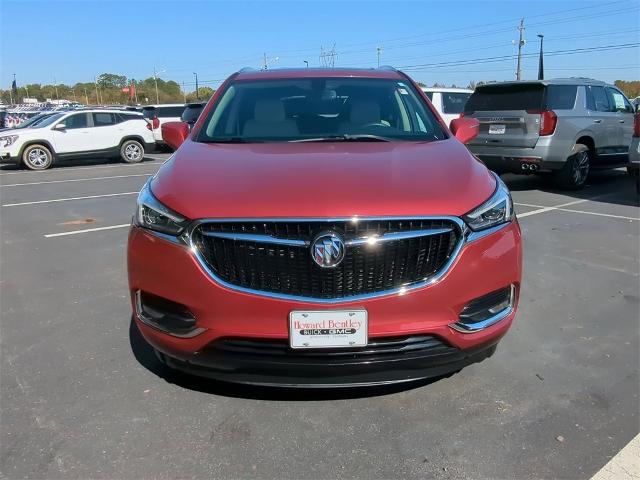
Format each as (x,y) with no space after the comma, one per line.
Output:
(247,69)
(387,67)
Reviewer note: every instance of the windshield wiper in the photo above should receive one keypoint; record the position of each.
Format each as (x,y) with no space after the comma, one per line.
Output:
(346,138)
(226,140)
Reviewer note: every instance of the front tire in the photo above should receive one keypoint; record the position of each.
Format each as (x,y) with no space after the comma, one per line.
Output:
(575,172)
(37,157)
(131,151)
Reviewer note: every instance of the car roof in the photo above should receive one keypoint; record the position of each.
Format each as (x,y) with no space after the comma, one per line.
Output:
(279,73)
(100,110)
(164,105)
(552,81)
(446,89)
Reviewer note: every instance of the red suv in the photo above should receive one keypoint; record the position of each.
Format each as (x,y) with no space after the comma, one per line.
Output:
(323,228)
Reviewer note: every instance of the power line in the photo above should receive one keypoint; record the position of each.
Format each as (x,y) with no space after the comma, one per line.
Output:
(474,61)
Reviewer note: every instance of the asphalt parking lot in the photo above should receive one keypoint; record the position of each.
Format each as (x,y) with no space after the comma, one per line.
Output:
(83,397)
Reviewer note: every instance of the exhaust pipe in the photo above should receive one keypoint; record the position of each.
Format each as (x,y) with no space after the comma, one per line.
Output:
(525,166)
(529,166)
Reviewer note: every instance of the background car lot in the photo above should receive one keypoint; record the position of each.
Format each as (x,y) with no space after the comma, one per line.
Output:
(84,397)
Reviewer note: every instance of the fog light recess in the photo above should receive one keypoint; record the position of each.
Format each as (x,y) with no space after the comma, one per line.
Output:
(165,315)
(485,311)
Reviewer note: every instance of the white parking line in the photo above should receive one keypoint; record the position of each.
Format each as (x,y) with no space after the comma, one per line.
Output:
(547,209)
(87,230)
(70,169)
(77,180)
(556,207)
(68,199)
(625,465)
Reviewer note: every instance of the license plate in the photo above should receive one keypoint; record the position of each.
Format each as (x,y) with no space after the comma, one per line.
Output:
(497,129)
(328,329)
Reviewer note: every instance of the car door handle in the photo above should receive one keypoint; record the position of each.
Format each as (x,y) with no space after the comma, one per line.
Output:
(597,121)
(621,121)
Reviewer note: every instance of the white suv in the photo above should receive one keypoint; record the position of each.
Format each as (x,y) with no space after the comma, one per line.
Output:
(449,102)
(78,134)
(156,115)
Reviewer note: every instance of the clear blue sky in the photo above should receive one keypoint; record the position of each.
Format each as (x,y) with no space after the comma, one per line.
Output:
(76,40)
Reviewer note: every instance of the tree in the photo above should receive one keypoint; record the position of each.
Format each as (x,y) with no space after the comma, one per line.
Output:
(111,81)
(630,88)
(204,94)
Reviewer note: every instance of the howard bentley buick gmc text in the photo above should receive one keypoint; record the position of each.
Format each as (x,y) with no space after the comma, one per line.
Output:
(323,228)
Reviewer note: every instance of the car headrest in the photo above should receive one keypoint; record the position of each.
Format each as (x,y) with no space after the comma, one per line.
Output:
(269,111)
(363,112)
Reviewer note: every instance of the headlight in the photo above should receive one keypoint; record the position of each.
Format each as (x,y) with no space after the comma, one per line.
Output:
(495,211)
(152,214)
(8,140)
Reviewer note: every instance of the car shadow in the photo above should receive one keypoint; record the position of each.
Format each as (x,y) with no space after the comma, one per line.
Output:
(74,163)
(145,355)
(603,186)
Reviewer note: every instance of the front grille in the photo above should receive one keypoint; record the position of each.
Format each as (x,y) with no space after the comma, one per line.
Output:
(288,269)
(377,347)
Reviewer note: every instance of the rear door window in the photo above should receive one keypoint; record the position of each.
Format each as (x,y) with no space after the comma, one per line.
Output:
(600,99)
(506,97)
(103,119)
(430,95)
(561,97)
(453,102)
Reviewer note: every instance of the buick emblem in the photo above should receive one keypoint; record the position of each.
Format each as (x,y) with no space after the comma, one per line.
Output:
(327,250)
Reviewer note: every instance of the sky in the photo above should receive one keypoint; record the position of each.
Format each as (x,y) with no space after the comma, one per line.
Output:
(433,41)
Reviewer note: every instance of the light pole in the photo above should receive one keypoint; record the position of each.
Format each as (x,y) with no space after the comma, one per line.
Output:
(379,49)
(306,63)
(541,60)
(197,95)
(55,85)
(155,79)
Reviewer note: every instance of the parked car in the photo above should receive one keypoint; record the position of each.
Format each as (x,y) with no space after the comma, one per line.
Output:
(634,152)
(78,134)
(449,102)
(192,112)
(565,127)
(313,230)
(156,115)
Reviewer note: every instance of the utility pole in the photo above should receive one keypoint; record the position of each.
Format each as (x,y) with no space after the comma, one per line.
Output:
(197,94)
(521,43)
(184,92)
(155,79)
(86,97)
(74,95)
(95,81)
(27,90)
(379,49)
(541,60)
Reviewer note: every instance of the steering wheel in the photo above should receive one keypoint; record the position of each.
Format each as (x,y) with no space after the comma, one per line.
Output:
(375,124)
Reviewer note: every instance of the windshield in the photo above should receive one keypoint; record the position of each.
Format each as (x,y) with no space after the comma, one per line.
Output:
(317,109)
(48,121)
(33,120)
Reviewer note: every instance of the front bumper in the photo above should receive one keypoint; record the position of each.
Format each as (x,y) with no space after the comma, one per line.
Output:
(169,270)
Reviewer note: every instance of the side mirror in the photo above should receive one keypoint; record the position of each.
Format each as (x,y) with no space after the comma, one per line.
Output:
(60,126)
(465,129)
(175,133)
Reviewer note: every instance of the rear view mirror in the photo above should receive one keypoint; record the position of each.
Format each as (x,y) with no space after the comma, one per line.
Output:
(60,126)
(465,129)
(175,133)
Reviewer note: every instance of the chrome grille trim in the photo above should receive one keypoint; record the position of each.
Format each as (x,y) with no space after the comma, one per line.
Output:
(386,237)
(463,232)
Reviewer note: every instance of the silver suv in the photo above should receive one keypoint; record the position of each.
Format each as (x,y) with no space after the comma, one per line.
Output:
(564,126)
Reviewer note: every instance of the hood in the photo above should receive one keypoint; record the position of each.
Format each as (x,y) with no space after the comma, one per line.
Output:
(325,179)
